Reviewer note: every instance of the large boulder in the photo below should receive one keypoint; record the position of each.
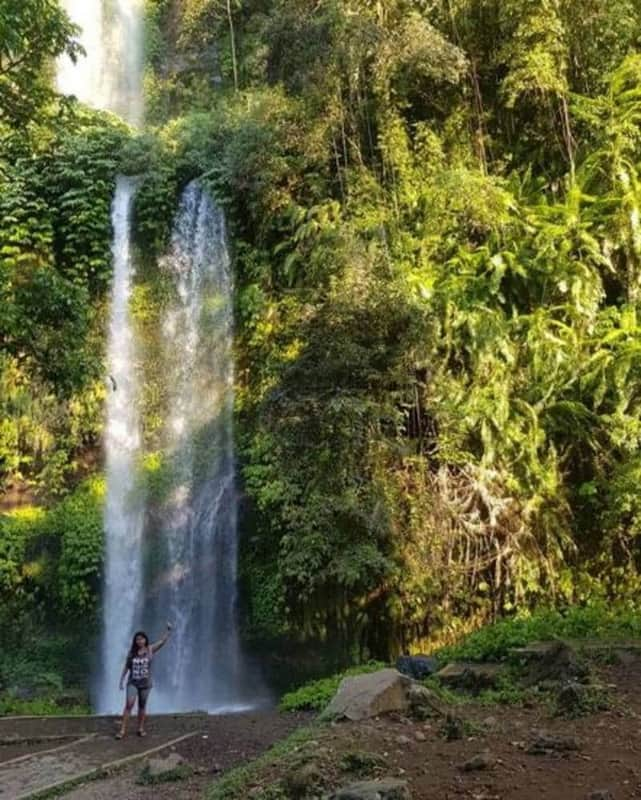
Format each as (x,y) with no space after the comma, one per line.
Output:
(365,696)
(386,789)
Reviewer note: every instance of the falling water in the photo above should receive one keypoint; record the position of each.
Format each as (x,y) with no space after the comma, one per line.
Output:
(110,76)
(198,588)
(124,511)
(182,566)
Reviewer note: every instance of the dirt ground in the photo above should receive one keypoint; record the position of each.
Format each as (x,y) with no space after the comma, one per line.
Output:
(608,758)
(222,743)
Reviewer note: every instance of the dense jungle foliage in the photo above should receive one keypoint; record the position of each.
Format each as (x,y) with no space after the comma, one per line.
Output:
(435,213)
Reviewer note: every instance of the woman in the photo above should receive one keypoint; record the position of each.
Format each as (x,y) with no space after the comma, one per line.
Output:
(138,665)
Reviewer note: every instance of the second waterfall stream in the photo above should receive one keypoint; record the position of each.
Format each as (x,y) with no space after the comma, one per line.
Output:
(196,542)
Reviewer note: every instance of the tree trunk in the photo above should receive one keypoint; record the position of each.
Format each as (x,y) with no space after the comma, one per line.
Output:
(232,39)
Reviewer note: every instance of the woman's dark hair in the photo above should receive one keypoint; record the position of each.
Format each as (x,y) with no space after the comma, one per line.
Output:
(134,647)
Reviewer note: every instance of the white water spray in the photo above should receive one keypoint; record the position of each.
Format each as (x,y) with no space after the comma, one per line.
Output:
(124,510)
(109,77)
(199,527)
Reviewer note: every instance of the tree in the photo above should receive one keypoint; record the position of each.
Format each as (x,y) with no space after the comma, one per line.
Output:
(32,33)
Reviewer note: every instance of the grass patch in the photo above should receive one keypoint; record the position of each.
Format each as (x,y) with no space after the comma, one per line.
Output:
(579,700)
(40,707)
(362,763)
(233,785)
(316,695)
(493,642)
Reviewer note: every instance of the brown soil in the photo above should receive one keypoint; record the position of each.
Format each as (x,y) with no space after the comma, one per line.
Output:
(10,751)
(221,743)
(609,757)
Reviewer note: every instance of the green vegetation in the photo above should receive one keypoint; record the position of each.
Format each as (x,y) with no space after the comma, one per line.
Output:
(235,782)
(433,217)
(31,33)
(50,563)
(314,696)
(494,642)
(434,212)
(56,186)
(41,707)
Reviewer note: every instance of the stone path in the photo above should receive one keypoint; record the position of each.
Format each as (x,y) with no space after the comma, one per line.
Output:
(93,752)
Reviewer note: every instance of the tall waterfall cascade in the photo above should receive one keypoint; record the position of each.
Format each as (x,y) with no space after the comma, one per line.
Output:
(124,509)
(109,77)
(198,526)
(173,559)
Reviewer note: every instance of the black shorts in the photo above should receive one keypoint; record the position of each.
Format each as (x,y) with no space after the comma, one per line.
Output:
(139,692)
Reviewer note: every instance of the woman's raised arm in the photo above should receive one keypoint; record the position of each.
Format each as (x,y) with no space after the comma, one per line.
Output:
(157,645)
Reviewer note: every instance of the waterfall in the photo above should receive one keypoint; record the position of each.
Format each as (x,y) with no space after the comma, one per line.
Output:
(110,76)
(199,526)
(124,510)
(176,562)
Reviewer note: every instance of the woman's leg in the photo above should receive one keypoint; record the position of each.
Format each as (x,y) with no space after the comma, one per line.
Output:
(143,696)
(129,704)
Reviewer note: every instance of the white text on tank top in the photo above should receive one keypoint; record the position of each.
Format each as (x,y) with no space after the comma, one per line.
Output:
(140,668)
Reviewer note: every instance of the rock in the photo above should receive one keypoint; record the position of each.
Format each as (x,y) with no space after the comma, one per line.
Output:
(420,736)
(386,789)
(299,782)
(580,698)
(481,761)
(470,676)
(556,663)
(453,728)
(366,696)
(159,768)
(422,702)
(544,744)
(572,698)
(601,794)
(417,667)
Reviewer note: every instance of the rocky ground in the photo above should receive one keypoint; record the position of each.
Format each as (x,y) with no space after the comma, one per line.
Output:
(472,751)
(480,753)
